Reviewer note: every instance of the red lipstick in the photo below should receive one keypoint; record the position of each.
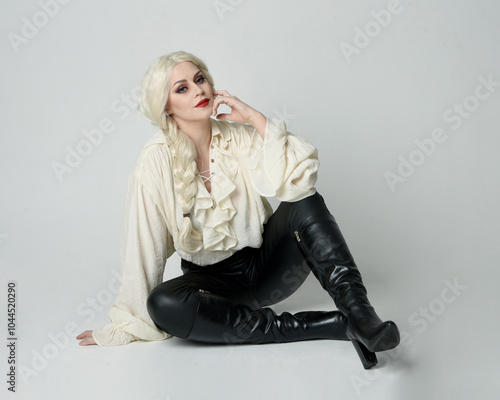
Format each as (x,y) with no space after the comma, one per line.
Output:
(203,103)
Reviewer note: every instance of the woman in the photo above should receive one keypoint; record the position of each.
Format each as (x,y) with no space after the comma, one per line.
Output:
(199,188)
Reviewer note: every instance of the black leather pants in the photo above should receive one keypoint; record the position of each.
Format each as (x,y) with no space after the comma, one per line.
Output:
(226,302)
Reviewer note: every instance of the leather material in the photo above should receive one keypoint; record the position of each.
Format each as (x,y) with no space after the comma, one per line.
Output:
(228,302)
(331,261)
(220,321)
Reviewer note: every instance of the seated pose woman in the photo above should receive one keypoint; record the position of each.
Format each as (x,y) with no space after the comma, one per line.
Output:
(199,188)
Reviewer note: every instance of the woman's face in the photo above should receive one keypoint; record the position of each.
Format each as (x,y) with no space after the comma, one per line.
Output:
(188,86)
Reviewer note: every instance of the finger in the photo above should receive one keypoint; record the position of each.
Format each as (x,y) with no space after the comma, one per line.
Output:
(87,341)
(229,101)
(222,93)
(84,334)
(221,100)
(224,116)
(215,106)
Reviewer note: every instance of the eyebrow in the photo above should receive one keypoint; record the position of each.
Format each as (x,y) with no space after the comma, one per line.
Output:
(184,80)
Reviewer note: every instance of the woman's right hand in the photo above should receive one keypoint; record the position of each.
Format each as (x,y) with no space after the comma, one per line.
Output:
(87,337)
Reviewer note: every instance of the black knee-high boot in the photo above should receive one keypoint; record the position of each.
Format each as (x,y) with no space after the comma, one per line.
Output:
(219,320)
(329,258)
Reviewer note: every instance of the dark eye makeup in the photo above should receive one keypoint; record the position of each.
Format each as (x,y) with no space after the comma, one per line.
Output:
(199,80)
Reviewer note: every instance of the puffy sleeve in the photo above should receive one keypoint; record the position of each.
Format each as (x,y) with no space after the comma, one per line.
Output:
(283,165)
(145,246)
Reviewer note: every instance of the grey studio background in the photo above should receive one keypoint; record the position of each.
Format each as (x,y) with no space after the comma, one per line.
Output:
(400,97)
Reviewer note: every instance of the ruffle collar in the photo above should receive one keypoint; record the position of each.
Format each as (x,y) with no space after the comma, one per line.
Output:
(214,211)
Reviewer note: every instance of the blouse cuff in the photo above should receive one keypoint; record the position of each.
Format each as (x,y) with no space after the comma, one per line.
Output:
(112,335)
(275,134)
(284,165)
(127,330)
(268,157)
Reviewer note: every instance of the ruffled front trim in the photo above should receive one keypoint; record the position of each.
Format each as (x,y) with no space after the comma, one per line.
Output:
(215,211)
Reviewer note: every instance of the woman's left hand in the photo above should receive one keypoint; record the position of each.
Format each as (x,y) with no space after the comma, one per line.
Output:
(240,112)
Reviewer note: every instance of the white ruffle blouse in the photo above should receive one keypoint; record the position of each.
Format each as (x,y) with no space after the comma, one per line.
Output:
(246,170)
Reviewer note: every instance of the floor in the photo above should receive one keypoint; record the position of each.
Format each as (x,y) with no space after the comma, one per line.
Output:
(53,366)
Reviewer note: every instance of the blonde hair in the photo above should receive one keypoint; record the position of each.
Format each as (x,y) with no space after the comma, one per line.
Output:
(152,103)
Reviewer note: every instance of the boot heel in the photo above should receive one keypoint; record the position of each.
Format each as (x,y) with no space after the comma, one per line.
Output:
(368,359)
